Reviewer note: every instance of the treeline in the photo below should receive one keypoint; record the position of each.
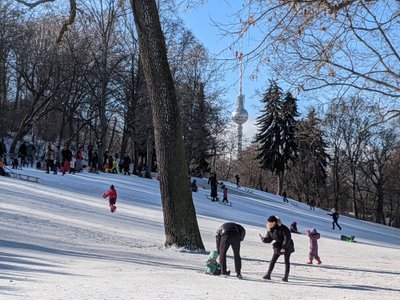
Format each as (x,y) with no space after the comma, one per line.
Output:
(344,158)
(90,89)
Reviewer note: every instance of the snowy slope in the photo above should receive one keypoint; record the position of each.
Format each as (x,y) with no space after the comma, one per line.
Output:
(58,240)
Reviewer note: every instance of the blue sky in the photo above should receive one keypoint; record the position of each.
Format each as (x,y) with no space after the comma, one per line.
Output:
(200,21)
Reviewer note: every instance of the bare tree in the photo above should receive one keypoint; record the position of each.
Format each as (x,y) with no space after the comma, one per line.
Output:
(316,44)
(36,63)
(378,155)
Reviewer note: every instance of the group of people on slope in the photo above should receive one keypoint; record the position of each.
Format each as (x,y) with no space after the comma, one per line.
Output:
(213,182)
(231,235)
(25,155)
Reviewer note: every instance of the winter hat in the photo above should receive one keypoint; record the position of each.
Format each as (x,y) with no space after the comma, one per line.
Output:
(313,231)
(112,187)
(272,219)
(213,254)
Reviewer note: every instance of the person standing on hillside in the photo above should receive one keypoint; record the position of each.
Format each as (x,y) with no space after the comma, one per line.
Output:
(22,153)
(313,253)
(237,181)
(49,158)
(112,197)
(57,159)
(213,182)
(3,149)
(283,245)
(230,234)
(225,195)
(335,217)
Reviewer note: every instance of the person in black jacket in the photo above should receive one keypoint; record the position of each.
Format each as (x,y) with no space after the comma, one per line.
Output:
(214,186)
(335,217)
(283,245)
(230,234)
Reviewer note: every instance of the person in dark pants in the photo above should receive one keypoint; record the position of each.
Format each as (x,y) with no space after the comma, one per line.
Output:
(283,245)
(335,217)
(213,182)
(237,181)
(284,197)
(230,234)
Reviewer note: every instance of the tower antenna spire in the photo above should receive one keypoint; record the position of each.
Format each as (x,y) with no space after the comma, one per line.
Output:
(240,115)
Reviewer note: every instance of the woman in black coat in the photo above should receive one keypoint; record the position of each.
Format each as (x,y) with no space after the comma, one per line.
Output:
(283,245)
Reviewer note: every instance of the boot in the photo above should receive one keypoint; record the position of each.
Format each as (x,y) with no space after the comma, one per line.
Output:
(319,261)
(267,276)
(309,262)
(285,279)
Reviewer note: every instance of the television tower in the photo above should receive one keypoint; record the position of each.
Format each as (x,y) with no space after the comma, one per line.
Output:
(240,115)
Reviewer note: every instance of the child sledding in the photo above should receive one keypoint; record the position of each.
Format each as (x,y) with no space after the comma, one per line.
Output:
(346,238)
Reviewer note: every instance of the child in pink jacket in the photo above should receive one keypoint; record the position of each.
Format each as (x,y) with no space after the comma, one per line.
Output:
(313,253)
(112,197)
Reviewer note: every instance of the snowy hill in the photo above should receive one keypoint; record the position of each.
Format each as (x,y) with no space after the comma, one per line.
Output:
(58,240)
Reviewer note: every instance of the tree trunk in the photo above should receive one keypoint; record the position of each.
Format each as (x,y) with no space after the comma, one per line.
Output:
(280,183)
(3,88)
(149,149)
(180,223)
(380,218)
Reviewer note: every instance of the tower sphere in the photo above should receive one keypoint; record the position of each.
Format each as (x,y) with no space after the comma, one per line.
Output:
(240,116)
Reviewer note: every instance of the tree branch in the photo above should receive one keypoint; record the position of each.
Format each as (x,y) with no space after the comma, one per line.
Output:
(66,23)
(34,4)
(70,21)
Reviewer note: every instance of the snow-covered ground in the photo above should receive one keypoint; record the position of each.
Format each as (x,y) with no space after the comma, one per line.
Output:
(58,240)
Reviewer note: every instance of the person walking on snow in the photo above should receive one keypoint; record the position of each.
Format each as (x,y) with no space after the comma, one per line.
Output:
(112,197)
(335,217)
(284,197)
(283,245)
(225,193)
(313,253)
(237,181)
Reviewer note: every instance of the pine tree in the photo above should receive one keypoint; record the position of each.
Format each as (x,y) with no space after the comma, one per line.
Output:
(309,175)
(276,124)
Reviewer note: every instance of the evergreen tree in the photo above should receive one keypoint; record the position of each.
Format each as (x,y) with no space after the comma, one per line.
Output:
(288,131)
(276,142)
(309,175)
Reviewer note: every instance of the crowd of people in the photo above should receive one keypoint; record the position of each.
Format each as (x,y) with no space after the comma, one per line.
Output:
(231,234)
(64,159)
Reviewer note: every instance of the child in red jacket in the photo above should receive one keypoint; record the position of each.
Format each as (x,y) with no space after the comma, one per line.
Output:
(112,197)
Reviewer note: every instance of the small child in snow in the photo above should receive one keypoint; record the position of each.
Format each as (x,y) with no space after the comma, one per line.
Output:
(112,197)
(212,266)
(225,193)
(65,167)
(314,236)
(293,227)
